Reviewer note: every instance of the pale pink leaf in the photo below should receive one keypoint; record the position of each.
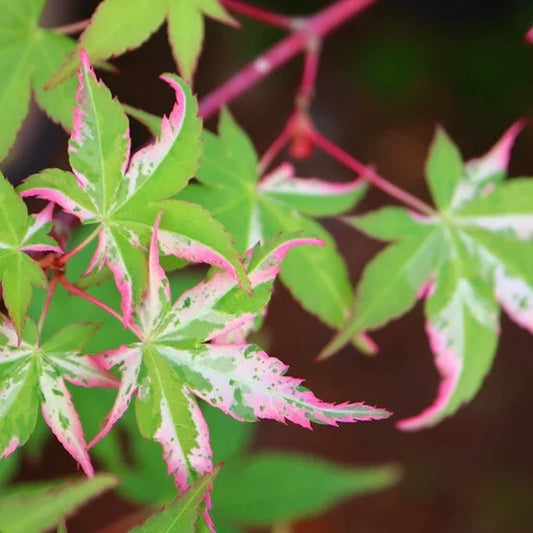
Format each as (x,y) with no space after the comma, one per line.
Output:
(62,418)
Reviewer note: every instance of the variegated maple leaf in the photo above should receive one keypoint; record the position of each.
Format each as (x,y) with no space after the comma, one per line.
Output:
(254,209)
(177,359)
(21,234)
(123,196)
(118,26)
(33,374)
(472,255)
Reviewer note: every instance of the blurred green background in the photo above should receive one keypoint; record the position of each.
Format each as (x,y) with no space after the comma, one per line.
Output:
(385,80)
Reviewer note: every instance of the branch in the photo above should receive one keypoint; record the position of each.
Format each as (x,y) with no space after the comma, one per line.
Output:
(314,27)
(369,175)
(259,14)
(307,85)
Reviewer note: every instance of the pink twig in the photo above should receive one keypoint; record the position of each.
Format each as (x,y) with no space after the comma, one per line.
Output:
(49,295)
(529,36)
(315,27)
(369,175)
(73,27)
(275,148)
(307,85)
(259,14)
(95,301)
(69,255)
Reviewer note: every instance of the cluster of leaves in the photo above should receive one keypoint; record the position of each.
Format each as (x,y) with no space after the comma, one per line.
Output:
(193,347)
(468,258)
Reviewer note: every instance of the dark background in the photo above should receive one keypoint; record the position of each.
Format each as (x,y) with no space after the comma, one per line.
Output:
(386,79)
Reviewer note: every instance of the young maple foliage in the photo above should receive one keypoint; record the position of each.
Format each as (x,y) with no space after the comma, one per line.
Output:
(255,209)
(472,255)
(21,233)
(178,357)
(116,27)
(29,55)
(33,374)
(123,196)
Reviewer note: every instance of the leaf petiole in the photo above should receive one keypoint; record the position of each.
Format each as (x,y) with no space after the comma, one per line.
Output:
(367,174)
(69,255)
(95,301)
(73,27)
(49,296)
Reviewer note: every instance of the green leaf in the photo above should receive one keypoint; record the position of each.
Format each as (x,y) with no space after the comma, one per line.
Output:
(125,196)
(388,223)
(151,122)
(28,56)
(271,487)
(229,438)
(476,254)
(383,295)
(20,233)
(181,515)
(8,468)
(254,210)
(39,507)
(116,28)
(444,169)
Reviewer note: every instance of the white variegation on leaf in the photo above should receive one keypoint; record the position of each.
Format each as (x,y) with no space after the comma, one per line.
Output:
(33,375)
(180,356)
(124,196)
(474,254)
(21,234)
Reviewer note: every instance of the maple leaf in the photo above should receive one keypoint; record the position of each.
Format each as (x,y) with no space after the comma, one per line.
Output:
(116,28)
(19,234)
(32,374)
(474,254)
(175,361)
(254,210)
(124,196)
(29,55)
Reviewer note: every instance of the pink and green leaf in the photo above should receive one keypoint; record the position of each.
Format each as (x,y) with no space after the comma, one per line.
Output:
(175,360)
(123,198)
(18,233)
(463,331)
(244,382)
(31,375)
(480,242)
(62,418)
(311,196)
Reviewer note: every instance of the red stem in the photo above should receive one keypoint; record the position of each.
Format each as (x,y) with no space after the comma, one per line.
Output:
(259,14)
(315,27)
(69,255)
(307,85)
(369,175)
(274,149)
(95,301)
(73,27)
(49,295)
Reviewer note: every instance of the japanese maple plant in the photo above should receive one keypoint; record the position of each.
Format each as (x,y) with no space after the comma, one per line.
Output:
(195,196)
